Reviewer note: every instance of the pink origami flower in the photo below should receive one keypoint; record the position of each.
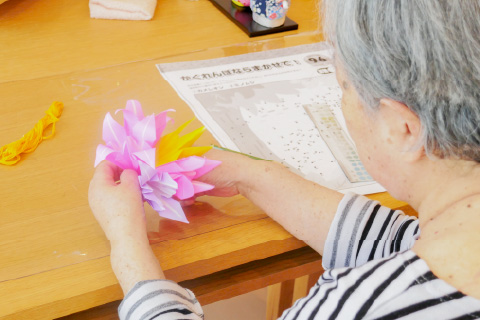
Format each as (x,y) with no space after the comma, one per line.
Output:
(135,146)
(136,140)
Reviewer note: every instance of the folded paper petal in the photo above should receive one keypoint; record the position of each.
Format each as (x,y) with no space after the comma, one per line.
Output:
(112,131)
(129,120)
(144,131)
(147,173)
(169,167)
(133,114)
(191,163)
(194,151)
(120,160)
(201,186)
(172,147)
(157,189)
(170,186)
(173,210)
(167,157)
(164,188)
(182,165)
(185,170)
(161,121)
(102,153)
(153,200)
(153,182)
(207,167)
(136,108)
(188,139)
(185,188)
(147,156)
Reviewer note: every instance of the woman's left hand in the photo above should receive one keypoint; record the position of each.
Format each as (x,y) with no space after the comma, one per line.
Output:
(116,202)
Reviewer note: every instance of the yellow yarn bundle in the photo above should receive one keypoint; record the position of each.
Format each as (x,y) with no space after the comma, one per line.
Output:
(10,153)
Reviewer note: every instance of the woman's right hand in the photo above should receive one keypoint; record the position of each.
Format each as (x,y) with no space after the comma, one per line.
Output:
(303,207)
(226,177)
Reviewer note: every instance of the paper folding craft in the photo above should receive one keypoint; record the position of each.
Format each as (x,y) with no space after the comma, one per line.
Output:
(167,166)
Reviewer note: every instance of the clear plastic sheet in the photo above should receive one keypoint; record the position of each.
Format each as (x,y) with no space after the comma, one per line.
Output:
(45,220)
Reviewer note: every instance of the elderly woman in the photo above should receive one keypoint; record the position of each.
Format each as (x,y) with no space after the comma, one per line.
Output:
(410,76)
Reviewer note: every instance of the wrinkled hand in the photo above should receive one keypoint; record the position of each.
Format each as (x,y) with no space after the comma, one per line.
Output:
(116,202)
(227,177)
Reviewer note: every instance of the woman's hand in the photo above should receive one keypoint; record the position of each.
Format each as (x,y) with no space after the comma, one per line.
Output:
(304,208)
(116,202)
(228,176)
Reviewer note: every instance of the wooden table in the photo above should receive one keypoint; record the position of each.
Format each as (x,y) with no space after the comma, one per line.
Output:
(54,258)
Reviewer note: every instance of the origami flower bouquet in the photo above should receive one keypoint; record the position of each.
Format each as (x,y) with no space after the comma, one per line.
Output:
(167,166)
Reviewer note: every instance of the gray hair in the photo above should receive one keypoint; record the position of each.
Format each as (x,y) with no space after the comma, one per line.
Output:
(423,53)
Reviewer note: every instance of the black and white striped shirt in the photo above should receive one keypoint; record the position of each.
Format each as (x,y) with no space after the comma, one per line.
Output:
(371,273)
(159,299)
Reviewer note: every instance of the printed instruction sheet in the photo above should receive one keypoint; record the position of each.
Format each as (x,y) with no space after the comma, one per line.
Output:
(281,105)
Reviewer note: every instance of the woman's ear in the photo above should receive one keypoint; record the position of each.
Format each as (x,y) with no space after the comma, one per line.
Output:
(404,129)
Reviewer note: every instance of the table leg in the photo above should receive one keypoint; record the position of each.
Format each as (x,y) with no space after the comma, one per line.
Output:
(282,296)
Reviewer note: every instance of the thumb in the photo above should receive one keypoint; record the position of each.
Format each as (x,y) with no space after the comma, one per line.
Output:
(129,177)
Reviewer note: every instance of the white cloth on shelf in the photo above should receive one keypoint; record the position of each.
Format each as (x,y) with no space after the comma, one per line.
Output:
(122,9)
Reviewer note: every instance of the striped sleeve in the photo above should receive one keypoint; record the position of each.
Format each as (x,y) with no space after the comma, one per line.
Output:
(398,287)
(363,230)
(159,300)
